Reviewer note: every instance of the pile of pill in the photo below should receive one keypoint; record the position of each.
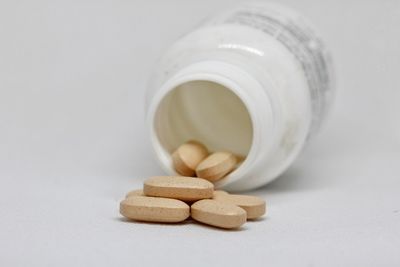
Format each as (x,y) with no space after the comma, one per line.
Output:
(172,199)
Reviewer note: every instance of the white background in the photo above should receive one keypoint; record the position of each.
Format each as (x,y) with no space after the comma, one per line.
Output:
(72,142)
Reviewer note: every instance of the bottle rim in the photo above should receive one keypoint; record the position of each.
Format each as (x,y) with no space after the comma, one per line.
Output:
(254,97)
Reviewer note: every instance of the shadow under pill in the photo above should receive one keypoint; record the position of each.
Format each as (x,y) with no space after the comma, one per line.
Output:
(126,220)
(260,219)
(185,222)
(214,228)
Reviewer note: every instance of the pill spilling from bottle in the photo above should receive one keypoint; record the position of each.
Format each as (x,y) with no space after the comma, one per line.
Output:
(173,199)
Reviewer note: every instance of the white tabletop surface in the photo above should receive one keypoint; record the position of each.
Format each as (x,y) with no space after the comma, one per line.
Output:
(72,142)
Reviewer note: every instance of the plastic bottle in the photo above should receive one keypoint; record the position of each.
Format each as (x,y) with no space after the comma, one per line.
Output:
(255,80)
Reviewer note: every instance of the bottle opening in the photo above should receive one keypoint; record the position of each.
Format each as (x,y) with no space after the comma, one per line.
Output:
(205,111)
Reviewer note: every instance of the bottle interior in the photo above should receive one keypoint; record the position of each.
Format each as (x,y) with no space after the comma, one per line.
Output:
(207,112)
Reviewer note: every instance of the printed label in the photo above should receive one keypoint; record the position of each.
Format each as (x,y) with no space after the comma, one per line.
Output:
(302,42)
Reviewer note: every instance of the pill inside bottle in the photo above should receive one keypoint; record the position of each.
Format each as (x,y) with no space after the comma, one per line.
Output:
(204,111)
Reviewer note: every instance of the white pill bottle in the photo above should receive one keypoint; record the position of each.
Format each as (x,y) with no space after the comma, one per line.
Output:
(255,80)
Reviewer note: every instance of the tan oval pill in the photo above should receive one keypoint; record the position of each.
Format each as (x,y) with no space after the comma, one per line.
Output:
(218,214)
(219,193)
(188,156)
(254,206)
(133,193)
(178,187)
(216,166)
(154,209)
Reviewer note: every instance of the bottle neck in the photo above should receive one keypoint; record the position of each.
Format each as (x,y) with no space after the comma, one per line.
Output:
(258,102)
